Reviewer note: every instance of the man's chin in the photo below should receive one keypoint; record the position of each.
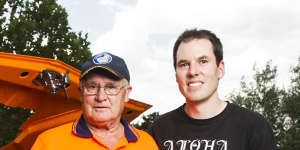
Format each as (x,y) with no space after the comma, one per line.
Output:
(195,98)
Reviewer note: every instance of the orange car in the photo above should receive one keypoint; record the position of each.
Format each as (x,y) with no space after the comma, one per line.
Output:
(50,88)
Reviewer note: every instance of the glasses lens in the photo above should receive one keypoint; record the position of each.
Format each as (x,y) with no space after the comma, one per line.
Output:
(108,89)
(112,90)
(91,88)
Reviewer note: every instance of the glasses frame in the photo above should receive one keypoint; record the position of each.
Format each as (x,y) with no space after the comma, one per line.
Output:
(105,89)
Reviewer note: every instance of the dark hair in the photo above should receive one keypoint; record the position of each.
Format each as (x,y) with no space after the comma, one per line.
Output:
(188,35)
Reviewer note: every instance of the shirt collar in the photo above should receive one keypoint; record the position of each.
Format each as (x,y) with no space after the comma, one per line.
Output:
(80,129)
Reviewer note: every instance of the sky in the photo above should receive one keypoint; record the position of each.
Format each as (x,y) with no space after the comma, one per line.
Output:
(143,32)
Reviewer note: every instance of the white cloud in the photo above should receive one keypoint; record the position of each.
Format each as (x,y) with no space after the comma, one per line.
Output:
(106,2)
(251,31)
(118,4)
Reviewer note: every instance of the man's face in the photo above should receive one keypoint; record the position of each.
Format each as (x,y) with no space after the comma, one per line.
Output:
(102,107)
(197,73)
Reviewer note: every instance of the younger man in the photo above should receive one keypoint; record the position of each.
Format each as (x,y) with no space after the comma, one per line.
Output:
(205,122)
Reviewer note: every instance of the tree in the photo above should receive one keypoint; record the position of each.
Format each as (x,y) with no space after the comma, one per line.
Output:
(291,107)
(278,106)
(11,119)
(147,120)
(40,28)
(36,28)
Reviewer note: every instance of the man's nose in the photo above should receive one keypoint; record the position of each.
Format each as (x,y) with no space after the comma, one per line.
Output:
(101,95)
(194,69)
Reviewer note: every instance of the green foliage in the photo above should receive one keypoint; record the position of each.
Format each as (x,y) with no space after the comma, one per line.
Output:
(40,28)
(36,28)
(147,120)
(11,120)
(292,104)
(279,106)
(291,107)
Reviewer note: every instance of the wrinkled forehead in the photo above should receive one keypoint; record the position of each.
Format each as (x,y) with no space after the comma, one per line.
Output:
(101,73)
(102,80)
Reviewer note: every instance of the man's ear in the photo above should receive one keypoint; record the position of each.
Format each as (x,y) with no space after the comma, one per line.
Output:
(81,92)
(128,91)
(176,76)
(221,69)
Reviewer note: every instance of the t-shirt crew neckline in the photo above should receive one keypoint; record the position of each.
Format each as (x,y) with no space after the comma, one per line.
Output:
(215,119)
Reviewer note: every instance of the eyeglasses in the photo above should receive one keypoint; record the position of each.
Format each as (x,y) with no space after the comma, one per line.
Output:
(109,89)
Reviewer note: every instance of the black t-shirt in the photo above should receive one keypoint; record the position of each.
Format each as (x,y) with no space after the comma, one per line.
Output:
(236,128)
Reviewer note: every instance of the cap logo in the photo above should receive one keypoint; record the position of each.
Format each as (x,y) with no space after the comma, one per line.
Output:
(102,58)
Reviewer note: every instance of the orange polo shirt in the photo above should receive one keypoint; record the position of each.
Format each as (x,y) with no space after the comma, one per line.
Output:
(77,136)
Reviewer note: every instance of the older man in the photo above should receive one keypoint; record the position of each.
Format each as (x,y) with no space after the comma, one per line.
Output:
(104,89)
